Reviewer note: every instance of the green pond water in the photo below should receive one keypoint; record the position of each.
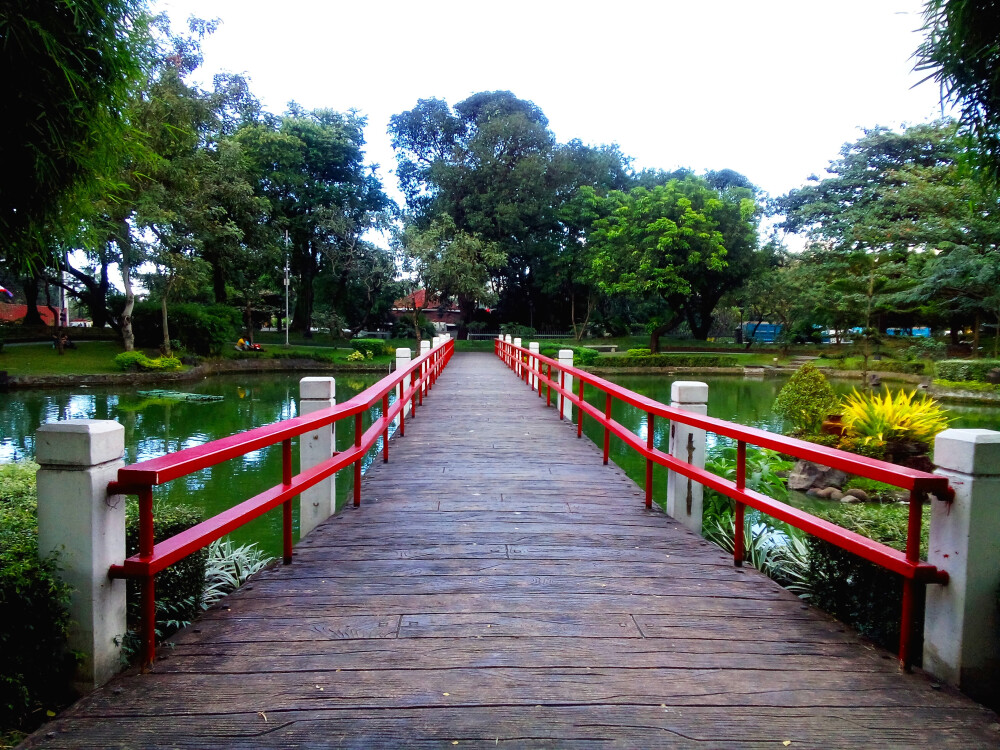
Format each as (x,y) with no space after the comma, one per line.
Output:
(154,427)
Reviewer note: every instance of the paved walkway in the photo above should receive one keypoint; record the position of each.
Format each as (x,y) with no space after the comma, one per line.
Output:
(499,587)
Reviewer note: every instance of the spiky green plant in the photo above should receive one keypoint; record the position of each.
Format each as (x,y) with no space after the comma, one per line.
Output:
(875,419)
(228,568)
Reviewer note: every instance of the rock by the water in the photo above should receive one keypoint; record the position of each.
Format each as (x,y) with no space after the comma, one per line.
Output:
(835,494)
(847,498)
(861,495)
(806,474)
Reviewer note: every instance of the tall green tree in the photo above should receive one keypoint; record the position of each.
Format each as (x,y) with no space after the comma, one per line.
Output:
(449,263)
(310,167)
(486,165)
(660,245)
(962,53)
(70,68)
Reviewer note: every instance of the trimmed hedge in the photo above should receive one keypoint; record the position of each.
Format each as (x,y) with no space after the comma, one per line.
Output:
(671,360)
(967,369)
(135,361)
(36,668)
(582,355)
(377,347)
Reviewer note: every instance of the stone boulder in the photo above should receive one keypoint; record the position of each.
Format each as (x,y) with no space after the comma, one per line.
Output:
(806,474)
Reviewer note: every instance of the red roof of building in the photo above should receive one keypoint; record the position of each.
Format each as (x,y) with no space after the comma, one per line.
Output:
(420,299)
(16,312)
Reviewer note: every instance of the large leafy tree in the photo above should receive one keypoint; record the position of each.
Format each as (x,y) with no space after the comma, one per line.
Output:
(450,263)
(962,52)
(485,164)
(862,230)
(310,168)
(70,68)
(660,244)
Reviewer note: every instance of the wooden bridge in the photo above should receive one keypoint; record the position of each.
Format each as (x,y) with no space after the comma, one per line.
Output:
(500,587)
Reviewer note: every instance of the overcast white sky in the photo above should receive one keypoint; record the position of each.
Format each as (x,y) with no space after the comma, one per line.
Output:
(770,88)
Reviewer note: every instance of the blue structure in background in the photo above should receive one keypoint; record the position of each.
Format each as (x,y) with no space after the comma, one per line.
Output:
(766,333)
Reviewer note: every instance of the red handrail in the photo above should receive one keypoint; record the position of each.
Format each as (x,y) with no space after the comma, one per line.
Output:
(139,479)
(907,564)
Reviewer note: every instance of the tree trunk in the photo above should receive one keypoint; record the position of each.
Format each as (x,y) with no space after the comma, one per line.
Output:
(32,317)
(975,338)
(124,239)
(654,335)
(166,327)
(219,285)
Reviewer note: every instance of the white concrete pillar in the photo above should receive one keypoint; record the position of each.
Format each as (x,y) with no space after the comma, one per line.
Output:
(86,528)
(425,346)
(403,360)
(533,348)
(961,623)
(566,360)
(517,358)
(684,495)
(319,502)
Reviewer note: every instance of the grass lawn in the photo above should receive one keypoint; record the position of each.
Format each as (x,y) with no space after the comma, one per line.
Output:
(89,358)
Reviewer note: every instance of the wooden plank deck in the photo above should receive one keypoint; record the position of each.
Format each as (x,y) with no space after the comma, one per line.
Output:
(500,587)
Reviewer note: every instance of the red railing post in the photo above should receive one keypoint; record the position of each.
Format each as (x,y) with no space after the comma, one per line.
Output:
(358,432)
(414,395)
(579,418)
(650,431)
(739,543)
(607,429)
(286,507)
(385,432)
(548,386)
(148,593)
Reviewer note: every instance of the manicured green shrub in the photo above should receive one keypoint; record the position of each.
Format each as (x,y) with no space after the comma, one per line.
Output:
(179,587)
(967,369)
(671,360)
(806,400)
(968,385)
(377,347)
(35,665)
(926,348)
(137,361)
(638,353)
(582,355)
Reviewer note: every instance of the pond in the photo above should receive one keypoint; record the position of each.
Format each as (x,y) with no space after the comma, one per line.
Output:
(156,426)
(745,400)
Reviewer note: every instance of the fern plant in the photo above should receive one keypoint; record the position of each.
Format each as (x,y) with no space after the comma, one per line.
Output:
(876,419)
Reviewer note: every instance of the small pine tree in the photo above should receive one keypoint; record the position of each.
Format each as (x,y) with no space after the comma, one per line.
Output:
(806,399)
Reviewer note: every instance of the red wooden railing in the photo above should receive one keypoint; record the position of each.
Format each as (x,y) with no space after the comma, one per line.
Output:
(534,367)
(139,479)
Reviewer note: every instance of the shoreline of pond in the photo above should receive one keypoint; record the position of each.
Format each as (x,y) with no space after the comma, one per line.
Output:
(218,367)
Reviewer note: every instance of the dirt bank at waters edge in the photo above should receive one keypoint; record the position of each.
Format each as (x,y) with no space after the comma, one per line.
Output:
(195,373)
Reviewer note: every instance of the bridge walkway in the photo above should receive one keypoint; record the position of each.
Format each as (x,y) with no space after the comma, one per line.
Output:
(499,587)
